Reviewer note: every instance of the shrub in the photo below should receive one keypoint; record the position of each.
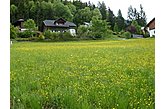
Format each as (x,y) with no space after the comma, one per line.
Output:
(47,34)
(82,31)
(146,35)
(127,35)
(13,32)
(54,35)
(26,34)
(41,37)
(110,32)
(67,35)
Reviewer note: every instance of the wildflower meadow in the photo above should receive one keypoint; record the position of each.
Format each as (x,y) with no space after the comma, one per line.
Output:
(105,74)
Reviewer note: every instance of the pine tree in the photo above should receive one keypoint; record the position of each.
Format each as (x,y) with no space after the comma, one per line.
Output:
(120,21)
(102,8)
(111,18)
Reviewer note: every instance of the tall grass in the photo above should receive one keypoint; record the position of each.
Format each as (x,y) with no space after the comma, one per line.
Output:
(83,75)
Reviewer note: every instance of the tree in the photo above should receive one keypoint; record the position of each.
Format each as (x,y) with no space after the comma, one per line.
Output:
(138,27)
(99,27)
(72,8)
(82,31)
(116,29)
(79,4)
(111,18)
(13,12)
(142,17)
(30,24)
(83,15)
(102,8)
(120,22)
(96,12)
(91,5)
(131,13)
(13,31)
(63,11)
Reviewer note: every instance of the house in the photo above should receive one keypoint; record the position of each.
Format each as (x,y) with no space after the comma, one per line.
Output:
(20,24)
(150,27)
(59,25)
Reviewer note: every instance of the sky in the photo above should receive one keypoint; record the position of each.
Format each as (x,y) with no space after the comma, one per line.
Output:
(115,5)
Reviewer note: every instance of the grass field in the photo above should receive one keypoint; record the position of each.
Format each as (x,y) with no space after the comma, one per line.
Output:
(83,75)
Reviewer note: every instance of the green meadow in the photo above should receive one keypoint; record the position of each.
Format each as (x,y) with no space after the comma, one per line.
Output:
(83,75)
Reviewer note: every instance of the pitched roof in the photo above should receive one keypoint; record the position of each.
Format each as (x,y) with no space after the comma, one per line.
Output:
(150,22)
(52,23)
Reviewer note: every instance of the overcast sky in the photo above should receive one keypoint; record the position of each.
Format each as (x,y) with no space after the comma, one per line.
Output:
(115,5)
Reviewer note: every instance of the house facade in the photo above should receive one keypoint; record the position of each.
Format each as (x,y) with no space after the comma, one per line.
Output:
(20,24)
(150,27)
(59,25)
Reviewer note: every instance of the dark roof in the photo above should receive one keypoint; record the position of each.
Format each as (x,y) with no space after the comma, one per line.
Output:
(51,23)
(20,20)
(150,22)
(60,19)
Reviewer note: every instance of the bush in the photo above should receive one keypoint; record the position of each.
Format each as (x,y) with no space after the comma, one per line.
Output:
(110,32)
(26,34)
(47,34)
(13,32)
(146,35)
(67,35)
(41,37)
(127,35)
(55,35)
(82,31)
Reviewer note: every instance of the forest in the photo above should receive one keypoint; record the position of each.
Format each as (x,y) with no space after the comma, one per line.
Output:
(79,12)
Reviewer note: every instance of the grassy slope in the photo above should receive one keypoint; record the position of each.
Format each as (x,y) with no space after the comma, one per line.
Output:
(83,75)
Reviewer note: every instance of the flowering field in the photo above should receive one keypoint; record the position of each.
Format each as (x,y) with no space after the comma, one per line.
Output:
(83,75)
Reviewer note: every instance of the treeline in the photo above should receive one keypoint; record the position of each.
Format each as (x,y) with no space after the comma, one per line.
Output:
(101,17)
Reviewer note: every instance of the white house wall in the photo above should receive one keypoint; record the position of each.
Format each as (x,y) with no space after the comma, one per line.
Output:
(73,32)
(152,32)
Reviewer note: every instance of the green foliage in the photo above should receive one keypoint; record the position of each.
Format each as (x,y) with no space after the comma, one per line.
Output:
(13,12)
(41,37)
(102,8)
(13,32)
(116,29)
(138,28)
(120,22)
(146,35)
(96,12)
(111,18)
(47,34)
(55,35)
(82,31)
(62,11)
(26,34)
(83,15)
(67,36)
(99,27)
(72,8)
(30,24)
(127,35)
(140,16)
